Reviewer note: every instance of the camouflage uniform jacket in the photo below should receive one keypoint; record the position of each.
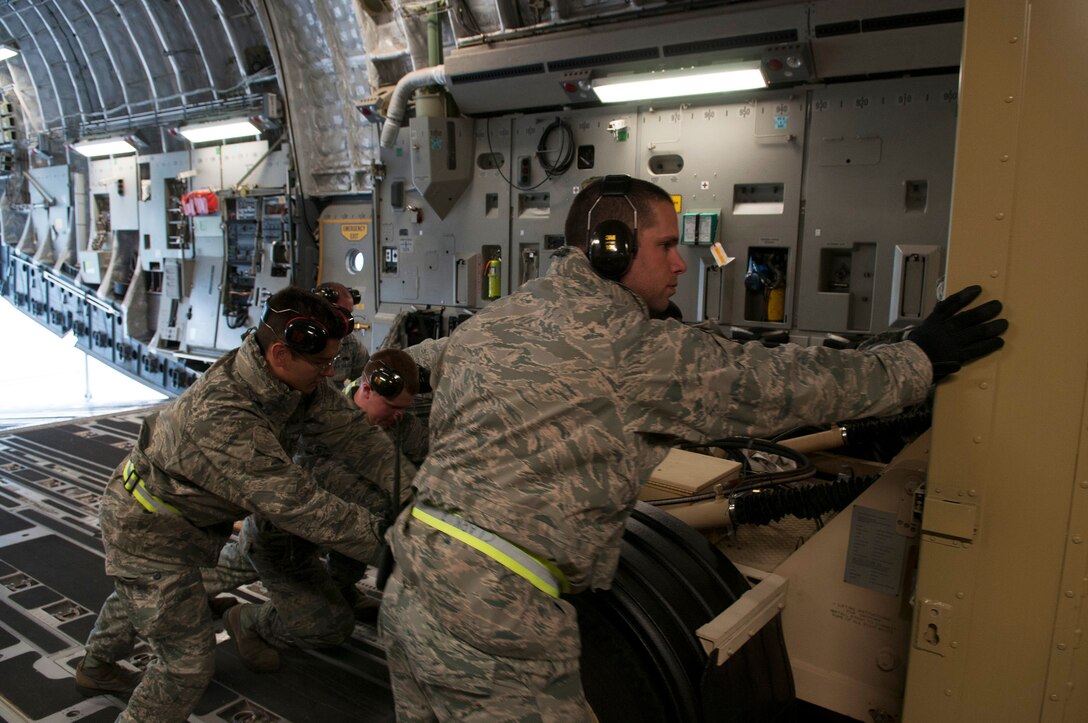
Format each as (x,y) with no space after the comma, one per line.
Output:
(224,449)
(350,361)
(553,405)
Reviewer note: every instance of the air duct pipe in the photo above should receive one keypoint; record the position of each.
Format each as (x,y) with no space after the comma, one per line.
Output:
(398,104)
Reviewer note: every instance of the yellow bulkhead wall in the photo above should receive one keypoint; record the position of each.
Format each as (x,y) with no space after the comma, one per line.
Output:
(1004,555)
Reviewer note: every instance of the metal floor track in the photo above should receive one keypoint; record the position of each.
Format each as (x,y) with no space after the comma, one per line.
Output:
(52,584)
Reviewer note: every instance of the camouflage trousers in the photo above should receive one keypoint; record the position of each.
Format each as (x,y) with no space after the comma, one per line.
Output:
(233,568)
(307,608)
(436,676)
(169,609)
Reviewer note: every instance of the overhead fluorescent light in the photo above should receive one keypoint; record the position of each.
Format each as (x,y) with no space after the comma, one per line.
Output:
(678,83)
(7,52)
(104,147)
(219,131)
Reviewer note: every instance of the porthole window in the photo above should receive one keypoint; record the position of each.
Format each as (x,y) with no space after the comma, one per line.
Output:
(356,260)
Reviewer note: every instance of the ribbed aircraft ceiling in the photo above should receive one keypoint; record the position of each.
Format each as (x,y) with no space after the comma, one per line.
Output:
(90,68)
(95,65)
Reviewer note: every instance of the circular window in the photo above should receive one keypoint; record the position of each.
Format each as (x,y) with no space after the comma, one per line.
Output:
(355,261)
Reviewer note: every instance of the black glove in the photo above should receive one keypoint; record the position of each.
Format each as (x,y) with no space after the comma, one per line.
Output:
(951,337)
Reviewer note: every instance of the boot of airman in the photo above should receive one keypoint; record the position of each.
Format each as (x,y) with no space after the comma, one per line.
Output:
(95,677)
(256,654)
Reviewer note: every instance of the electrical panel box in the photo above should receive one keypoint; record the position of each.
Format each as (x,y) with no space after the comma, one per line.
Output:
(915,273)
(736,168)
(689,225)
(872,198)
(699,228)
(708,228)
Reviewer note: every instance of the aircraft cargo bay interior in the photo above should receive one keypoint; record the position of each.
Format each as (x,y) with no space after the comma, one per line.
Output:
(478,332)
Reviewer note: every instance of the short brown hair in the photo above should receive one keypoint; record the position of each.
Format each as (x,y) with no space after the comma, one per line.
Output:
(340,292)
(292,303)
(400,362)
(643,195)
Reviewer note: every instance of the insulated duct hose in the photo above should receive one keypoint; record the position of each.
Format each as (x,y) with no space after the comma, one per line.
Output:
(910,422)
(398,104)
(805,500)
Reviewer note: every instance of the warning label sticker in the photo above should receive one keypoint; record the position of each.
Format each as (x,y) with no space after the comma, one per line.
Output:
(354,231)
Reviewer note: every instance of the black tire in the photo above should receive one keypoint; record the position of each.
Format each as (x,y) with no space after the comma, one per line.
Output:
(641,659)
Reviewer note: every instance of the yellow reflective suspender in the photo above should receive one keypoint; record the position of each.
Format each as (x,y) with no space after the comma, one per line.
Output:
(351,386)
(135,485)
(543,575)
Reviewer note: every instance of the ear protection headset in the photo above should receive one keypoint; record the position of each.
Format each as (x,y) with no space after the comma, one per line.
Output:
(303,334)
(612,244)
(333,296)
(386,382)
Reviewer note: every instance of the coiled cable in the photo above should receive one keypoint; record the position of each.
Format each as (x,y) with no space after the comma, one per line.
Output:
(565,154)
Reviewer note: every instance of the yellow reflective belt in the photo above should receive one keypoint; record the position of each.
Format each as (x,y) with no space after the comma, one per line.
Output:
(543,575)
(350,387)
(143,495)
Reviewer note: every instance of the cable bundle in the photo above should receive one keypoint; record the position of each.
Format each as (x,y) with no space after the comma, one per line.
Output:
(808,501)
(565,154)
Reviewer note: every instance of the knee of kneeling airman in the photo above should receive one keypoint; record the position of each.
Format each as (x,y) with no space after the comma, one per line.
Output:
(196,678)
(334,629)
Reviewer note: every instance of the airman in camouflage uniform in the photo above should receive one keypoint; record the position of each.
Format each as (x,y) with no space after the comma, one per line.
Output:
(289,566)
(234,568)
(551,408)
(389,410)
(353,355)
(221,450)
(385,408)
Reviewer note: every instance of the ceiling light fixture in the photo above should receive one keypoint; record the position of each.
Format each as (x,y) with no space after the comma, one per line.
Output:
(219,131)
(104,147)
(7,52)
(679,83)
